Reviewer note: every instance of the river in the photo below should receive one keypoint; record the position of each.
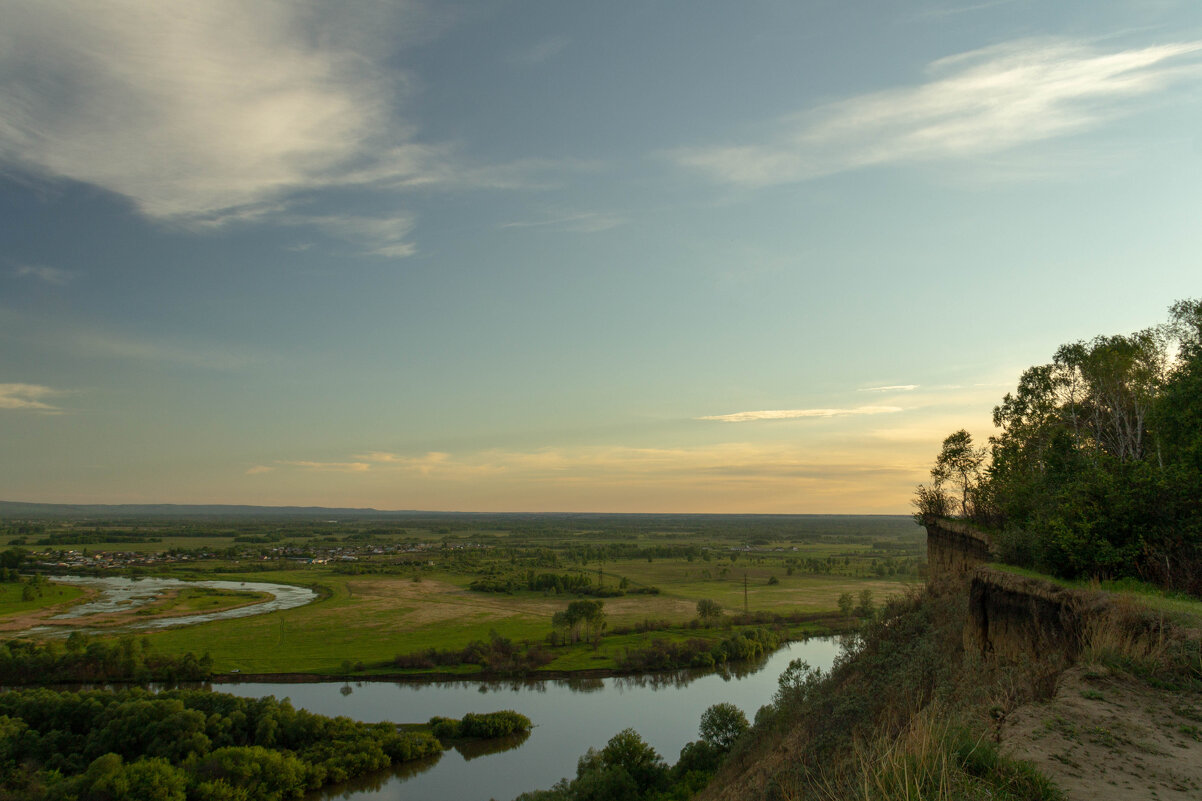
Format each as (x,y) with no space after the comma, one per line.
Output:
(119,594)
(569,717)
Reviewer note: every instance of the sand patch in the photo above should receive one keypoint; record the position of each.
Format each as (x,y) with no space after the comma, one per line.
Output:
(1106,738)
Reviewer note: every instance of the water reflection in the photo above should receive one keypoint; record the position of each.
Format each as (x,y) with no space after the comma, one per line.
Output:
(471,749)
(592,684)
(570,716)
(374,782)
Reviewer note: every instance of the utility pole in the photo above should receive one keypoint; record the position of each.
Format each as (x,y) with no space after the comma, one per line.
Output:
(744,593)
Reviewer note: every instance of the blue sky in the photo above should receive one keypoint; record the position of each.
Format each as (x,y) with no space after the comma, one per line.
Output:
(547,256)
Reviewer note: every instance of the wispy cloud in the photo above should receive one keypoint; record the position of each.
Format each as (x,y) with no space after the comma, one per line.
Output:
(424,464)
(386,236)
(51,275)
(584,222)
(731,476)
(259,470)
(794,414)
(331,467)
(29,397)
(890,388)
(225,111)
(977,103)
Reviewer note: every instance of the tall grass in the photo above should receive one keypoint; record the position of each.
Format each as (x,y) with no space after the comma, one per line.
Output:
(905,715)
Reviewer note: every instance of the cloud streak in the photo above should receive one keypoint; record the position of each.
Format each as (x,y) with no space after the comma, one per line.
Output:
(584,222)
(50,275)
(29,398)
(796,414)
(327,467)
(977,103)
(890,388)
(731,476)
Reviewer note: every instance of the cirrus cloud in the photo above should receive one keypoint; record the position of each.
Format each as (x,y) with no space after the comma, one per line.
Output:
(976,103)
(28,397)
(795,414)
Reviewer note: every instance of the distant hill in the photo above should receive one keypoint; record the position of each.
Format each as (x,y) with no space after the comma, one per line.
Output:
(19,510)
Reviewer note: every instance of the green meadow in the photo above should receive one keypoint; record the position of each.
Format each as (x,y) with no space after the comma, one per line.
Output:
(13,598)
(390,588)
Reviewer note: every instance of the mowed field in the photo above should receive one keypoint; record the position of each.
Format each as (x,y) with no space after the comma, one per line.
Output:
(370,619)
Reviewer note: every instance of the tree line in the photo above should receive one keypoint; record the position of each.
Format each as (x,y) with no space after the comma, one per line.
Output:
(85,660)
(184,744)
(1096,465)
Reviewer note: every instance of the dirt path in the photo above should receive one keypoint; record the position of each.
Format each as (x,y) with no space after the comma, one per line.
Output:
(1106,738)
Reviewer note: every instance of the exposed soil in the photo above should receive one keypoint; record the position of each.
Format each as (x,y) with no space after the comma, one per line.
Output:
(1103,737)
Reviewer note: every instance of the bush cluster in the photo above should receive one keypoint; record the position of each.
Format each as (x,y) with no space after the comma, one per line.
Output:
(664,654)
(484,726)
(498,655)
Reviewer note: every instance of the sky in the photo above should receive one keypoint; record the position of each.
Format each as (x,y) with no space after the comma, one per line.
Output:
(693,256)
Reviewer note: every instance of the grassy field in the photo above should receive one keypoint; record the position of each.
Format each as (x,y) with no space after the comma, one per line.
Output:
(403,588)
(197,600)
(11,602)
(1183,609)
(370,619)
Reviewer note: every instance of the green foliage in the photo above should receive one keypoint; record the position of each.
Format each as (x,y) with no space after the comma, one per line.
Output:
(10,560)
(1097,464)
(484,726)
(628,769)
(581,620)
(709,610)
(930,502)
(721,725)
(665,654)
(498,655)
(82,659)
(959,463)
(131,744)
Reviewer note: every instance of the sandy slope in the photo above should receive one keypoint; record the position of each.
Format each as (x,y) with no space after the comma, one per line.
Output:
(1104,738)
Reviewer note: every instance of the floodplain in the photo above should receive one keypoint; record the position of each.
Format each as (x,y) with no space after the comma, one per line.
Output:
(440,585)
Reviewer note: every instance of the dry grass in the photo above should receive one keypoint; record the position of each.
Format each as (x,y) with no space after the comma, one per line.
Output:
(1128,631)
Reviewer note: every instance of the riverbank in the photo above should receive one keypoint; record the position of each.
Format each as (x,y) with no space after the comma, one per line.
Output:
(989,685)
(579,674)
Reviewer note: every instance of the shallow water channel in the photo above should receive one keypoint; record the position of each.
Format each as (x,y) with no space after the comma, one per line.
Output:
(570,716)
(119,594)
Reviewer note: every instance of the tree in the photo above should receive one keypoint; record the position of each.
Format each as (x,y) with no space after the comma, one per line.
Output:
(959,462)
(723,724)
(708,610)
(866,607)
(581,617)
(12,558)
(847,604)
(628,752)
